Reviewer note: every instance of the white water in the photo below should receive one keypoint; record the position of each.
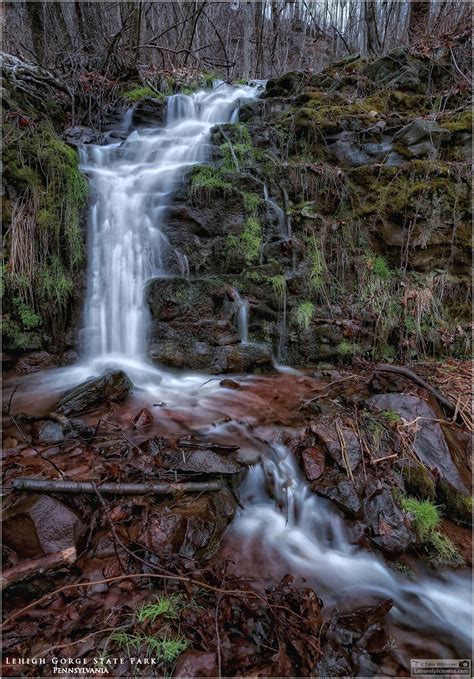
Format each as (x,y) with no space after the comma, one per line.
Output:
(290,523)
(242,317)
(131,185)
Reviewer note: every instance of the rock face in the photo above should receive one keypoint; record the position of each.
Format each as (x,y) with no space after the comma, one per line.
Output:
(386,521)
(39,525)
(113,386)
(195,326)
(428,440)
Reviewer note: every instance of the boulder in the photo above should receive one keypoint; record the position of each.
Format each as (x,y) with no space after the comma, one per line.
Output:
(36,361)
(429,442)
(326,432)
(115,385)
(386,521)
(39,524)
(395,70)
(189,527)
(342,492)
(422,137)
(149,112)
(200,462)
(47,431)
(313,460)
(80,135)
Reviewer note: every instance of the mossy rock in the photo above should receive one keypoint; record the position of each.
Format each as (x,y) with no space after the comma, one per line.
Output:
(458,505)
(418,481)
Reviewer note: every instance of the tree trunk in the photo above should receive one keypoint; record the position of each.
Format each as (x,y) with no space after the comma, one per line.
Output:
(419,13)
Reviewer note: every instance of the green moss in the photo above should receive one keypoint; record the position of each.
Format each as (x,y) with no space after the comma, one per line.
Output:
(347,349)
(304,314)
(240,152)
(278,284)
(390,416)
(44,171)
(252,202)
(458,505)
(138,93)
(418,481)
(208,179)
(251,240)
(462,122)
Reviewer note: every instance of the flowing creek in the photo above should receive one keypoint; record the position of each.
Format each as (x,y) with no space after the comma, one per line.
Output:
(283,527)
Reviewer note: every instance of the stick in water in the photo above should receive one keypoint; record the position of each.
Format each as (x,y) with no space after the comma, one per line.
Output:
(52,486)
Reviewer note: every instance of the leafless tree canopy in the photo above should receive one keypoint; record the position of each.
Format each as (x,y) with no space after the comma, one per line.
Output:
(236,39)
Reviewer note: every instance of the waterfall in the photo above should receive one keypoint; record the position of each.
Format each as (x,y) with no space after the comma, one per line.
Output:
(131,186)
(242,316)
(285,521)
(279,215)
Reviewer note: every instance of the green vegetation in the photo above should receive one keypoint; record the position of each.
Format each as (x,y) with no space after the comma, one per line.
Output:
(252,202)
(347,349)
(278,284)
(208,180)
(304,314)
(458,505)
(379,267)
(45,241)
(138,93)
(167,606)
(391,416)
(166,649)
(426,519)
(418,481)
(425,515)
(251,240)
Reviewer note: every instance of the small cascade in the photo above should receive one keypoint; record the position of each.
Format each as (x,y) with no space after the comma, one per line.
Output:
(279,220)
(183,263)
(282,320)
(243,309)
(131,186)
(285,521)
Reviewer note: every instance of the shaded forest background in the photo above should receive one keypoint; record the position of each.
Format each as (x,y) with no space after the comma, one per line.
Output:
(253,39)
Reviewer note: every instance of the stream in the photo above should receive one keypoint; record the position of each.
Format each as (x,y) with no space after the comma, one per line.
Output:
(282,527)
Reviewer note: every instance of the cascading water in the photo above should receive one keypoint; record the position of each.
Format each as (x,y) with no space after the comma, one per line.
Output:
(242,317)
(132,183)
(283,519)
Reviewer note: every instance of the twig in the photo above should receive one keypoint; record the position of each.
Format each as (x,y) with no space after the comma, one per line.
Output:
(25,569)
(376,460)
(399,370)
(162,488)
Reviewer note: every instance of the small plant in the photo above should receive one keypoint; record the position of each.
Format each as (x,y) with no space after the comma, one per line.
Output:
(442,548)
(252,202)
(208,179)
(251,240)
(167,606)
(379,266)
(346,349)
(166,649)
(278,284)
(425,515)
(141,92)
(304,313)
(391,416)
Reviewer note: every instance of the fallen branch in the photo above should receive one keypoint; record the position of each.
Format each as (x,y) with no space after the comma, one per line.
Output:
(399,370)
(25,569)
(51,486)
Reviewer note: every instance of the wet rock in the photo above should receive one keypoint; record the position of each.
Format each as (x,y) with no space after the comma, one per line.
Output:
(328,435)
(289,83)
(314,463)
(229,384)
(80,135)
(241,358)
(429,442)
(39,524)
(38,360)
(190,528)
(115,385)
(343,493)
(386,521)
(201,462)
(196,664)
(149,111)
(422,137)
(47,431)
